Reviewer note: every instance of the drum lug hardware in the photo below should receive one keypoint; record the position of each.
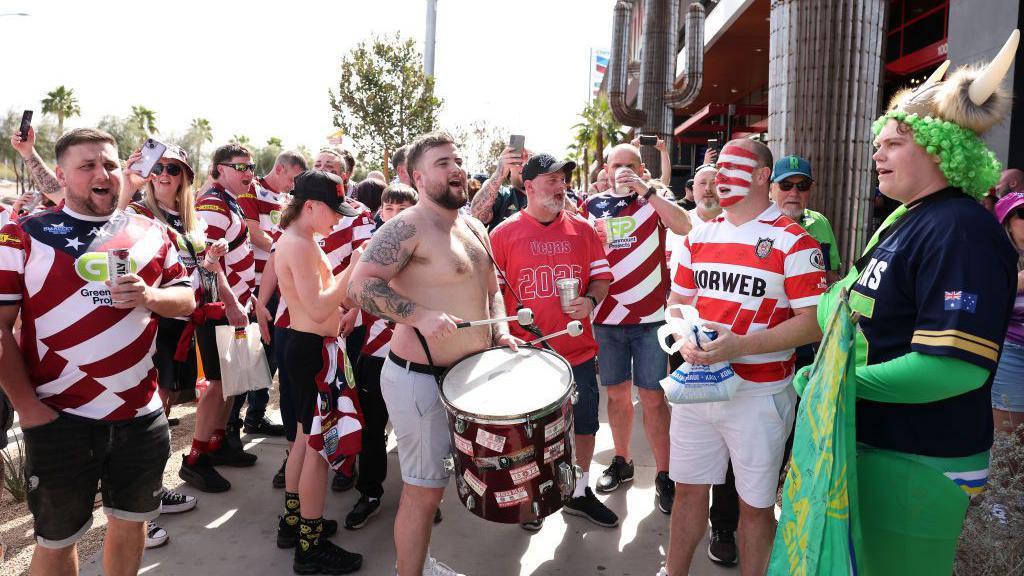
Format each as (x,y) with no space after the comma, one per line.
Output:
(460,425)
(529,429)
(574,397)
(567,475)
(546,486)
(449,463)
(470,502)
(536,509)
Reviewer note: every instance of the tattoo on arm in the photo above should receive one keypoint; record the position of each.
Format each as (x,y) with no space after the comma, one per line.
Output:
(483,202)
(42,175)
(385,246)
(379,299)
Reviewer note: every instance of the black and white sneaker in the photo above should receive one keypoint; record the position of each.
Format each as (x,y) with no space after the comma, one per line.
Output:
(155,535)
(722,547)
(615,475)
(665,490)
(589,507)
(365,508)
(172,502)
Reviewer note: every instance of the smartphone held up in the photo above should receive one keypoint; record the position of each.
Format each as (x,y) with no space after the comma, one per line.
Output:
(152,150)
(26,123)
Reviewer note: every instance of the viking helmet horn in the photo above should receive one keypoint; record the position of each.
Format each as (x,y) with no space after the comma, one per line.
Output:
(992,76)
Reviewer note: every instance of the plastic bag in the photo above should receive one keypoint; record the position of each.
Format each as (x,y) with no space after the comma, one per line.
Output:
(243,364)
(692,383)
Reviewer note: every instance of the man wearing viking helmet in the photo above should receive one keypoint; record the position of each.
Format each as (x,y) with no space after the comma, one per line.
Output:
(934,290)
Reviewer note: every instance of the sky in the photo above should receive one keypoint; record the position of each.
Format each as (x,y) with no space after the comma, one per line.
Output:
(264,68)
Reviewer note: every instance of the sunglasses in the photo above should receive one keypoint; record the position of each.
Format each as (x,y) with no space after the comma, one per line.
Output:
(240,166)
(803,185)
(172,169)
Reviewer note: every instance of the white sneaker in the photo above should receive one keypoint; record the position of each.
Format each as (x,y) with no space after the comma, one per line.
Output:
(662,572)
(431,567)
(155,535)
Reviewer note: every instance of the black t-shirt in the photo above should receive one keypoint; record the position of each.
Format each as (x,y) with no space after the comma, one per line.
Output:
(942,283)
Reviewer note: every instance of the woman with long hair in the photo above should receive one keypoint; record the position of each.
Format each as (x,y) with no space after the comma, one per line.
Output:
(1008,385)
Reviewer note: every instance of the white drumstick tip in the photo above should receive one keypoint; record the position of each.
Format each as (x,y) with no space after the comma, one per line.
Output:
(575,328)
(524,317)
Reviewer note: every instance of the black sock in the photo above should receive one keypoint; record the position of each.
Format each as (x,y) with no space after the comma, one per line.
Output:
(291,508)
(309,532)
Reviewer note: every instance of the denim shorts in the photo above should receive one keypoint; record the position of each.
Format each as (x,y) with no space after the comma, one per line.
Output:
(631,352)
(68,458)
(584,412)
(1008,384)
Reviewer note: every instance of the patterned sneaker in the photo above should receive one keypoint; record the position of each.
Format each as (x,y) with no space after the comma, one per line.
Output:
(155,535)
(172,502)
(615,475)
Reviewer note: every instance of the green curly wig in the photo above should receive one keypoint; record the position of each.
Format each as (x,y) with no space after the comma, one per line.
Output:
(964,159)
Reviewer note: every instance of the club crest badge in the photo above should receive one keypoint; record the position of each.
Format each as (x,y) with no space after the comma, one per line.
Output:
(763,247)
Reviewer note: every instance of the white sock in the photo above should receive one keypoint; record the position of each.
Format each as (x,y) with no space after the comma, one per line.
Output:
(581,485)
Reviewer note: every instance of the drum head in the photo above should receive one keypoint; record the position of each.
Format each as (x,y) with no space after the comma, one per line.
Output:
(500,383)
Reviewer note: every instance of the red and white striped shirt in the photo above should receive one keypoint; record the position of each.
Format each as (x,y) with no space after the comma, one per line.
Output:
(85,357)
(263,204)
(224,219)
(637,258)
(378,335)
(750,278)
(533,257)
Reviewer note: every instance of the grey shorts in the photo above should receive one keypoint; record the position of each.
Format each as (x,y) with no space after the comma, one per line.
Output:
(420,423)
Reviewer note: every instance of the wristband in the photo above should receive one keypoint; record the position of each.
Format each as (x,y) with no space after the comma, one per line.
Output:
(592,300)
(650,190)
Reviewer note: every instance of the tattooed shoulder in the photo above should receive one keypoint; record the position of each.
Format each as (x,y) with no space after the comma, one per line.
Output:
(385,246)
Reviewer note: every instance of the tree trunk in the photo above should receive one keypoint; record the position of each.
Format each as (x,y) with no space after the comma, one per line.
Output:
(387,166)
(599,153)
(825,71)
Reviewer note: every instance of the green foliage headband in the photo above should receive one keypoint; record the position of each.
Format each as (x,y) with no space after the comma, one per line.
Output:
(964,159)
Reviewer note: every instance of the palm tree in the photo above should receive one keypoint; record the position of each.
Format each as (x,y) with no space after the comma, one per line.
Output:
(240,139)
(275,141)
(595,126)
(62,102)
(145,119)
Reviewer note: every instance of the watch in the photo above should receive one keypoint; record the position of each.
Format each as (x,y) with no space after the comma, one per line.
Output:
(592,300)
(650,190)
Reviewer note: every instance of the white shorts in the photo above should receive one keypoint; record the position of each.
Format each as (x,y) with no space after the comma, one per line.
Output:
(751,430)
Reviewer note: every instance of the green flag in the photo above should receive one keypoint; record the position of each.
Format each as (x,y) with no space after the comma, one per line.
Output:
(817,532)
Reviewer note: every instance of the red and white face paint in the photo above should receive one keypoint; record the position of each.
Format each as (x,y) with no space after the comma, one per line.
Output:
(735,172)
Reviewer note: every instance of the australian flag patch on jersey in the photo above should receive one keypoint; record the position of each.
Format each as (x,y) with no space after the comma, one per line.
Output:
(960,300)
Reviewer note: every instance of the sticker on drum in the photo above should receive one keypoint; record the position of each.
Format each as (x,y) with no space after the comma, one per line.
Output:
(554,429)
(463,445)
(488,440)
(512,497)
(503,462)
(524,473)
(475,483)
(554,452)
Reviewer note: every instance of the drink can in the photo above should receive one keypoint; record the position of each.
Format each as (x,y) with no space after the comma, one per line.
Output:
(119,263)
(568,290)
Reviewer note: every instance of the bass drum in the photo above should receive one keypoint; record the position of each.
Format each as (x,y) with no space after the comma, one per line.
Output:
(510,419)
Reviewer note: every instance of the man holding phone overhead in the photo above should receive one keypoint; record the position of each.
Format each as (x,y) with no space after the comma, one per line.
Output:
(496,201)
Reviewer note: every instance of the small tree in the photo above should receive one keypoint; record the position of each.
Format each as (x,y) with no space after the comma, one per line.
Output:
(126,131)
(596,129)
(480,144)
(62,102)
(384,99)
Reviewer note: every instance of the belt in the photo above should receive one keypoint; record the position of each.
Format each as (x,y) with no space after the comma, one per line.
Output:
(415,366)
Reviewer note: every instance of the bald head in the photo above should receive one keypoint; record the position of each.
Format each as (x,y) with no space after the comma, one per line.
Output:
(625,155)
(1012,180)
(764,155)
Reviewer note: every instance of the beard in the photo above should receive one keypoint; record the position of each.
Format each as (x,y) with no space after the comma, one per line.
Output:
(791,212)
(710,204)
(446,197)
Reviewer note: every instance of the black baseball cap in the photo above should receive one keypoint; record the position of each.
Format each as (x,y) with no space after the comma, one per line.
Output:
(324,187)
(541,164)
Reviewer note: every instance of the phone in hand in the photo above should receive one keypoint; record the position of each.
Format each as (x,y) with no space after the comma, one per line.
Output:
(648,140)
(152,150)
(713,143)
(26,123)
(517,142)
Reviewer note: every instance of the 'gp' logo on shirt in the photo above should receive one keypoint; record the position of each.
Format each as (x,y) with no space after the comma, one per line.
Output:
(619,230)
(92,267)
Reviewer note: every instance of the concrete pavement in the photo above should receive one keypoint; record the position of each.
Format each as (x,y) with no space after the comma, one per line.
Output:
(234,533)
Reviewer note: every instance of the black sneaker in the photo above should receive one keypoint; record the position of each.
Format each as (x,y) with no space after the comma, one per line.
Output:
(437,517)
(203,475)
(233,435)
(589,507)
(722,547)
(264,427)
(361,512)
(279,477)
(342,482)
(326,558)
(665,489)
(235,457)
(613,476)
(288,536)
(172,502)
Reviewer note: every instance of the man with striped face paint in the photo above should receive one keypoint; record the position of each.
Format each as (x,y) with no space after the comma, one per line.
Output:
(735,169)
(755,276)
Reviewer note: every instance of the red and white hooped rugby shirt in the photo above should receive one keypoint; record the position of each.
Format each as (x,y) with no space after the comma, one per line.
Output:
(637,258)
(263,204)
(224,219)
(378,335)
(750,277)
(85,357)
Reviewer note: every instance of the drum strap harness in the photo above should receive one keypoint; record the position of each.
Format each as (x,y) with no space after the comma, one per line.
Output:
(532,329)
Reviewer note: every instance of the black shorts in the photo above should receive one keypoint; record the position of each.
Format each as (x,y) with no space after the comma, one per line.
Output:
(206,338)
(68,458)
(303,356)
(174,376)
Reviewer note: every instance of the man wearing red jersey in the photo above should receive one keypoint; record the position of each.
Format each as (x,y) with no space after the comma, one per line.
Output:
(83,381)
(757,276)
(535,248)
(633,218)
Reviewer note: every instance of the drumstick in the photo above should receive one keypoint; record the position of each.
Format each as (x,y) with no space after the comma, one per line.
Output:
(574,329)
(524,317)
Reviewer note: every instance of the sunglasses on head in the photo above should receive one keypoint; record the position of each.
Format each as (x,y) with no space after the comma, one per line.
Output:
(803,185)
(240,166)
(172,169)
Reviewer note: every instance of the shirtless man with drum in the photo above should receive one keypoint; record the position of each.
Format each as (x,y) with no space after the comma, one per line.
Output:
(426,269)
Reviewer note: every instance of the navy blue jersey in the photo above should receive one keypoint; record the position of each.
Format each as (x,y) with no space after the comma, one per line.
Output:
(942,283)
